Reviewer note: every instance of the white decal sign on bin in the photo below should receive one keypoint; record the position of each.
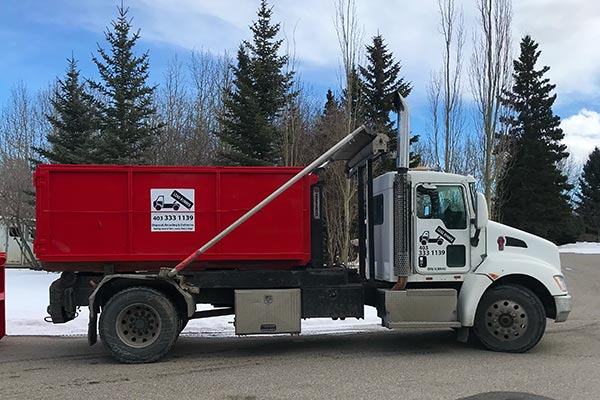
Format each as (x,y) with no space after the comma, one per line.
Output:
(172,210)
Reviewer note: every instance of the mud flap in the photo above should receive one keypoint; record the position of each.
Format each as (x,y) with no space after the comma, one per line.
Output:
(462,335)
(93,329)
(62,307)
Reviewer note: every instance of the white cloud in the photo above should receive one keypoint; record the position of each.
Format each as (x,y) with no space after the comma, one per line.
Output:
(568,32)
(564,30)
(582,133)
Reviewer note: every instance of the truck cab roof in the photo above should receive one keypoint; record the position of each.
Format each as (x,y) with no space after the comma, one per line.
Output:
(422,175)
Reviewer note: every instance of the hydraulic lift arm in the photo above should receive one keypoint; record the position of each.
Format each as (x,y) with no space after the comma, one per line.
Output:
(356,148)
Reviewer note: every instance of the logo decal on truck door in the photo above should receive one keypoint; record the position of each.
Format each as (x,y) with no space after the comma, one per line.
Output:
(172,210)
(445,234)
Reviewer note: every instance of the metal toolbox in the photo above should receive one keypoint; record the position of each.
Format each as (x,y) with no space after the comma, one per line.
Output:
(419,308)
(267,311)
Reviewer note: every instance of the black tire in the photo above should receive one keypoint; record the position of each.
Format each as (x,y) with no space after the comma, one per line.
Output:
(138,325)
(510,319)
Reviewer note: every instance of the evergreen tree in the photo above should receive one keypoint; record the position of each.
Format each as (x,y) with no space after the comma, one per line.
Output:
(74,121)
(353,94)
(532,194)
(589,194)
(331,103)
(244,139)
(379,83)
(329,126)
(261,89)
(126,100)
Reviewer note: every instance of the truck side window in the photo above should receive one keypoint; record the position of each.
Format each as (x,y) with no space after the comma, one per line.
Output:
(442,202)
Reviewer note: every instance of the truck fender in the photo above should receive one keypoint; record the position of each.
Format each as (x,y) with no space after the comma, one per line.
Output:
(520,264)
(521,270)
(132,280)
(468,299)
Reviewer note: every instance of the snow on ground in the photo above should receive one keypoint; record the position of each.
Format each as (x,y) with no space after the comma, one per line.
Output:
(27,300)
(580,248)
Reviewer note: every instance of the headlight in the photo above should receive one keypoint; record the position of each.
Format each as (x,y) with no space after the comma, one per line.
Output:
(560,281)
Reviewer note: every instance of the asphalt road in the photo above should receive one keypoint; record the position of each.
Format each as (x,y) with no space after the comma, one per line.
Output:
(375,365)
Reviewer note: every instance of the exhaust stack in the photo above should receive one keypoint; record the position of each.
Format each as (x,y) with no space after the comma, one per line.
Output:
(402,196)
(403,146)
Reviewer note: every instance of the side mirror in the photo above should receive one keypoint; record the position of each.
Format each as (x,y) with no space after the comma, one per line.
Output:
(482,212)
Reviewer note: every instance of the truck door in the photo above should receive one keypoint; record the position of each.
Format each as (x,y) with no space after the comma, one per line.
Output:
(441,229)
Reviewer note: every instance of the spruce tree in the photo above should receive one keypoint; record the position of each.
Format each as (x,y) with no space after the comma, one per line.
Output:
(588,204)
(352,97)
(379,83)
(327,127)
(126,100)
(331,103)
(261,89)
(532,194)
(73,119)
(244,139)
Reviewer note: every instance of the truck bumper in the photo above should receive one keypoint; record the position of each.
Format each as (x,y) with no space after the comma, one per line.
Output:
(563,307)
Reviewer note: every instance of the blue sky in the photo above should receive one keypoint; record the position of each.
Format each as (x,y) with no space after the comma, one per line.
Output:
(36,37)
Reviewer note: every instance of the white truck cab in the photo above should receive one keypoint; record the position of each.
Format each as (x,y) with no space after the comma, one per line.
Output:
(507,281)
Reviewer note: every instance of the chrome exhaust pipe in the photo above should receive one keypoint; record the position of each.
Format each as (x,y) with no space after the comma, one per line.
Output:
(403,145)
(402,195)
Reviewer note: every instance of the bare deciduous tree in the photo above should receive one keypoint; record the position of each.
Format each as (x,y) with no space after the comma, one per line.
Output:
(447,144)
(23,126)
(297,121)
(350,39)
(298,117)
(453,119)
(572,170)
(173,105)
(431,153)
(339,192)
(188,108)
(490,77)
(211,77)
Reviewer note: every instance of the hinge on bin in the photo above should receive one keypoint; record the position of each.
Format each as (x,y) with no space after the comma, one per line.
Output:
(181,281)
(189,288)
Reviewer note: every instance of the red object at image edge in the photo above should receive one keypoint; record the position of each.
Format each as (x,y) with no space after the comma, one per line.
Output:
(2,295)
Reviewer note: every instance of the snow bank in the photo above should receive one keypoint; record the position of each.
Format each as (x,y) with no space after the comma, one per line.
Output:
(580,248)
(27,299)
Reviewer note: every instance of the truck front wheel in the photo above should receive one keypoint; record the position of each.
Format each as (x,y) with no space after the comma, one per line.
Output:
(138,325)
(510,319)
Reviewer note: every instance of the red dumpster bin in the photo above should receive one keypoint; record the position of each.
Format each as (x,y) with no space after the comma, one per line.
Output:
(2,296)
(147,217)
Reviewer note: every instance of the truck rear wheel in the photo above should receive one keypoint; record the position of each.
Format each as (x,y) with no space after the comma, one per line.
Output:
(510,319)
(139,325)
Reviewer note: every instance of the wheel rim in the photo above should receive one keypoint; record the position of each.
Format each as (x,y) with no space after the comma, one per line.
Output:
(138,325)
(506,320)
